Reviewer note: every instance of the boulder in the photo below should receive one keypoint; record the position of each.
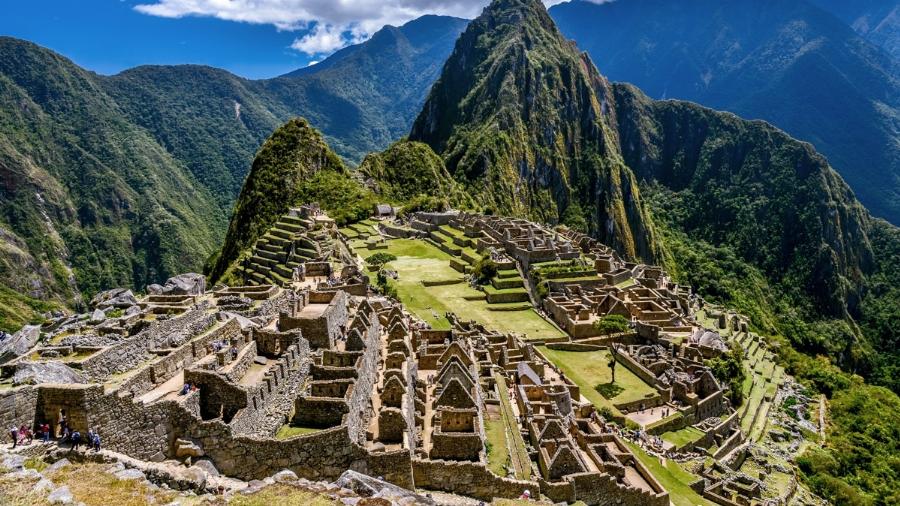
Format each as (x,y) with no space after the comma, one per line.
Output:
(285,476)
(187,448)
(19,343)
(130,474)
(36,373)
(155,289)
(43,485)
(98,316)
(59,464)
(117,297)
(367,486)
(207,466)
(62,495)
(133,310)
(185,284)
(192,478)
(13,461)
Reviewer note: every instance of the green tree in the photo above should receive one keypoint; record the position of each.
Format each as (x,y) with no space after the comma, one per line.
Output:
(611,324)
(484,270)
(379,259)
(729,370)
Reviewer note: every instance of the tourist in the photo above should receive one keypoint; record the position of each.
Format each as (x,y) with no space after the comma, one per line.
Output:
(185,389)
(76,440)
(90,436)
(95,442)
(526,495)
(14,434)
(66,434)
(234,352)
(45,432)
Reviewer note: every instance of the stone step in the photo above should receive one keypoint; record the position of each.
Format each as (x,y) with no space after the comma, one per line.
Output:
(281,233)
(278,257)
(283,271)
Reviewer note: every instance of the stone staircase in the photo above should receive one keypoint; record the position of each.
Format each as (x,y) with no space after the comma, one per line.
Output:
(291,241)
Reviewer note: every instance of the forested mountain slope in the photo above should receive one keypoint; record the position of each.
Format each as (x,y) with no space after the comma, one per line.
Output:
(759,59)
(125,180)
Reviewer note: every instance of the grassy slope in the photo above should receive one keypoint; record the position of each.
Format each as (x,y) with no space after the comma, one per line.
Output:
(419,260)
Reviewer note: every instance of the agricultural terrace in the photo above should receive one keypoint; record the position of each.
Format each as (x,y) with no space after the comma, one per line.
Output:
(430,288)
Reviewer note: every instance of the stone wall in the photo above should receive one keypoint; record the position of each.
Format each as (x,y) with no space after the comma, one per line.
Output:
(17,406)
(271,400)
(324,329)
(455,445)
(133,351)
(472,479)
(162,369)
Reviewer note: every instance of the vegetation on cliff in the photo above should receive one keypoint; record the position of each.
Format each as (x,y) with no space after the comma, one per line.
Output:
(294,166)
(88,200)
(406,170)
(524,122)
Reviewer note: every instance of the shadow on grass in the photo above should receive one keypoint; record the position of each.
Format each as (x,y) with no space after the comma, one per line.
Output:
(608,390)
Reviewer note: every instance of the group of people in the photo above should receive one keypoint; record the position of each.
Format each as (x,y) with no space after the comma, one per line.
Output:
(221,345)
(188,388)
(20,435)
(24,435)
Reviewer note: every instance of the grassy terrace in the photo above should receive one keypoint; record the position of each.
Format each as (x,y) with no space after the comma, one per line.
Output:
(681,438)
(672,477)
(287,431)
(518,454)
(590,370)
(497,447)
(419,261)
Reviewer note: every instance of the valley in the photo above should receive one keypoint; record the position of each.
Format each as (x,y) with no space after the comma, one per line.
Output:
(547,287)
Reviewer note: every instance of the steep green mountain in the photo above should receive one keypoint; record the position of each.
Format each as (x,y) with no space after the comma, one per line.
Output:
(209,119)
(294,166)
(125,180)
(88,200)
(524,122)
(410,169)
(878,21)
(759,59)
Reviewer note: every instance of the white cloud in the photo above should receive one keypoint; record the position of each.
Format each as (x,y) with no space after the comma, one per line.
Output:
(333,24)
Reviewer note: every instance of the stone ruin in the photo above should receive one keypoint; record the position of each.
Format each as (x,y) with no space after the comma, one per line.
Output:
(307,370)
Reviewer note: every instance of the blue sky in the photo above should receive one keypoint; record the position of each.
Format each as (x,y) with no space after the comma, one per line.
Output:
(251,38)
(108,36)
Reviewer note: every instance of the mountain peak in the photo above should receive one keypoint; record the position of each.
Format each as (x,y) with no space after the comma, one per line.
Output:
(525,120)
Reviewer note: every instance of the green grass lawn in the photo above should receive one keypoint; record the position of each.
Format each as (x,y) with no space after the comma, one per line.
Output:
(288,431)
(419,261)
(588,369)
(520,461)
(682,437)
(672,477)
(497,449)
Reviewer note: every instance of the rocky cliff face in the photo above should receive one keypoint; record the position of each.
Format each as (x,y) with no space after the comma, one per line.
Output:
(528,125)
(750,186)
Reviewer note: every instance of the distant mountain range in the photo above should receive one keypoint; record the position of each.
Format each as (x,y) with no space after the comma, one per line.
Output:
(790,63)
(125,180)
(171,145)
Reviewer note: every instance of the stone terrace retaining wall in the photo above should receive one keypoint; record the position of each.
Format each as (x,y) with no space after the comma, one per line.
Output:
(164,368)
(466,478)
(131,352)
(17,406)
